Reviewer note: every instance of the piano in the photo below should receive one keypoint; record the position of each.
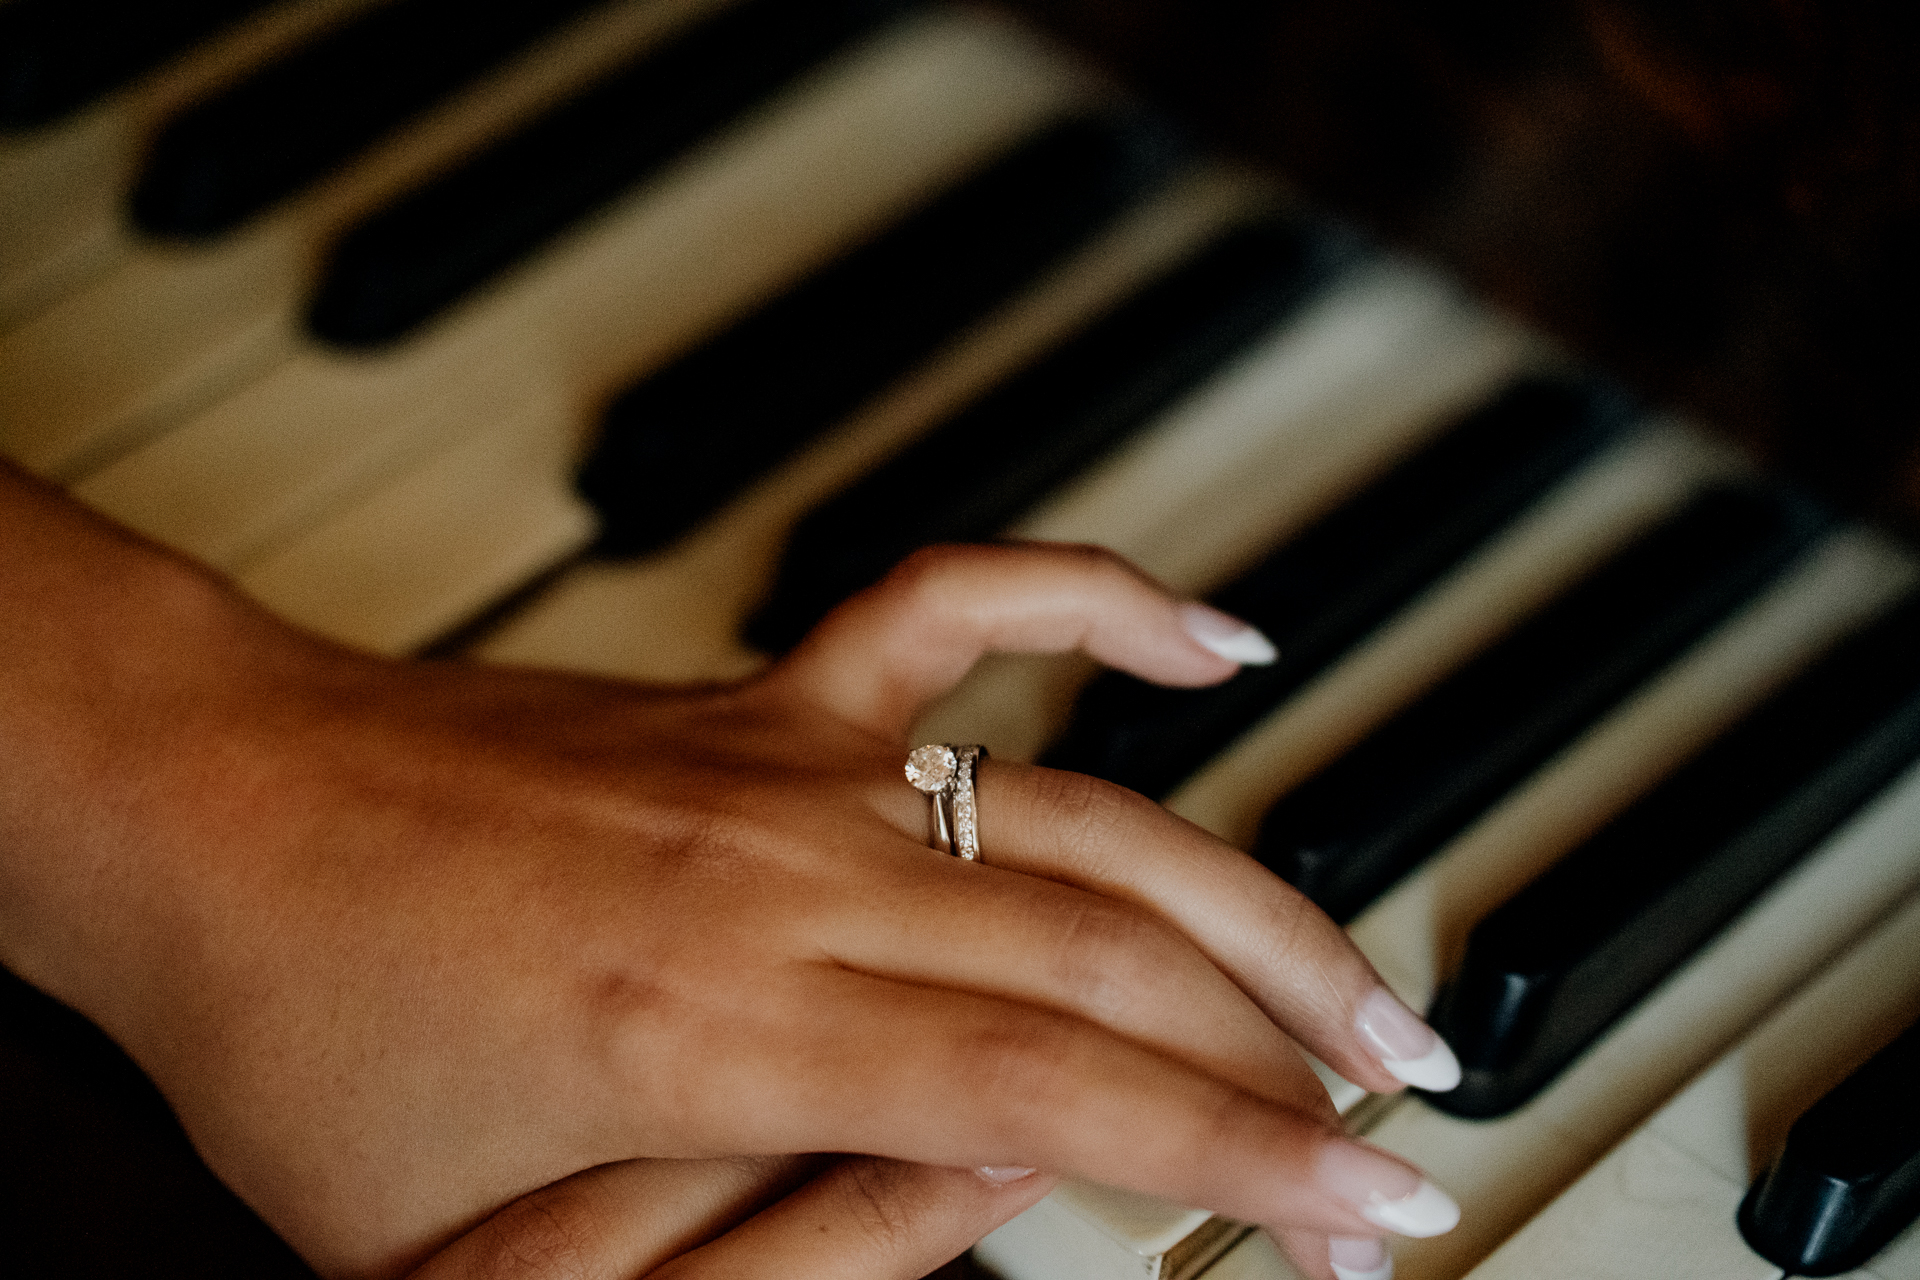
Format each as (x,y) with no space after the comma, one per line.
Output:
(1678,226)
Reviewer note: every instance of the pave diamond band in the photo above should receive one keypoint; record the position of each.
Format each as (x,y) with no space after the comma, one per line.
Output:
(945,772)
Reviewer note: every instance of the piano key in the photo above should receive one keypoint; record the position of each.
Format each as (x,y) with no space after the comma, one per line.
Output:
(1353,829)
(56,55)
(62,186)
(1361,375)
(1848,1179)
(1324,590)
(412,259)
(1552,967)
(188,325)
(1661,1205)
(978,472)
(255,142)
(678,445)
(737,220)
(1503,1171)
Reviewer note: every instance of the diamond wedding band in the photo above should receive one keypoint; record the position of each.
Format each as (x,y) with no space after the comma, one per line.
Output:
(944,772)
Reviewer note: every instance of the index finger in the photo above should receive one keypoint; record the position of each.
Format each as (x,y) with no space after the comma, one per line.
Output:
(881,657)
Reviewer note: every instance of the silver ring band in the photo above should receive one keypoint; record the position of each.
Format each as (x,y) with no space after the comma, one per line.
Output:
(944,772)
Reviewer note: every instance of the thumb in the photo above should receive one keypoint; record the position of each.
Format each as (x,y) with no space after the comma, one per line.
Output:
(867,1218)
(615,1221)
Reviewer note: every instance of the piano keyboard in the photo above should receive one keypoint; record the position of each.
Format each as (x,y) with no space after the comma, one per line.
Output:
(391,495)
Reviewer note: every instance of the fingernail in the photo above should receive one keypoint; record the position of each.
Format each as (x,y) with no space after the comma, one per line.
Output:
(1226,635)
(1386,1192)
(1359,1258)
(1406,1046)
(1001,1174)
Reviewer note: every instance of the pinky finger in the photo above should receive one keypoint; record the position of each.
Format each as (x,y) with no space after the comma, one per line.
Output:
(867,1218)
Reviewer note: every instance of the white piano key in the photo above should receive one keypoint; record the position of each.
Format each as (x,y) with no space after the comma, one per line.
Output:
(1083,1231)
(1661,1205)
(875,131)
(189,323)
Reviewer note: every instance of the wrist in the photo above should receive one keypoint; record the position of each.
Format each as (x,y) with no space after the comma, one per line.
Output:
(125,678)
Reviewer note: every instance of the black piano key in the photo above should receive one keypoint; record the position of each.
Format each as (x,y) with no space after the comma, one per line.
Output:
(409,260)
(1324,590)
(1848,1180)
(58,55)
(980,470)
(689,437)
(225,159)
(1548,971)
(1350,831)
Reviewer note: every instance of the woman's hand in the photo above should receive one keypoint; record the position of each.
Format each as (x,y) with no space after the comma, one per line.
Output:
(403,943)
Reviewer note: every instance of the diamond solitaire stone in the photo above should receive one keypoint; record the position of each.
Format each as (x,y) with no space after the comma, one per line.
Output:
(930,768)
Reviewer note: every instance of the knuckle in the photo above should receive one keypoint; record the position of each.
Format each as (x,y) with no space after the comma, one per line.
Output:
(872,1193)
(1092,818)
(549,1235)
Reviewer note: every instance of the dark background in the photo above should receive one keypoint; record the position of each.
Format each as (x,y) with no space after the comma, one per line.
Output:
(1715,200)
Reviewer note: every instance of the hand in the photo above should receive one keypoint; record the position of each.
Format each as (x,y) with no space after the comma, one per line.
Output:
(403,943)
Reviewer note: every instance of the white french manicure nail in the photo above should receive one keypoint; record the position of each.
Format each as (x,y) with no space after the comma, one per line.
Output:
(1429,1211)
(1227,635)
(1406,1046)
(1386,1192)
(1359,1258)
(1001,1174)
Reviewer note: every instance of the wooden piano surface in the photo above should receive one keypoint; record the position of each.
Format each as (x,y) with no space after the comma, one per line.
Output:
(390,498)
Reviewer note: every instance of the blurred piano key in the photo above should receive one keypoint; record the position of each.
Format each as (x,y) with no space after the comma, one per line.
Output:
(973,475)
(405,263)
(674,615)
(736,219)
(188,325)
(1325,589)
(676,447)
(229,156)
(1553,966)
(1353,829)
(1847,1181)
(63,184)
(1661,1205)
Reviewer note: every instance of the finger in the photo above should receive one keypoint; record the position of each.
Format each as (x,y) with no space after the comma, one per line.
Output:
(1274,944)
(879,658)
(951,1078)
(943,922)
(864,1219)
(615,1221)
